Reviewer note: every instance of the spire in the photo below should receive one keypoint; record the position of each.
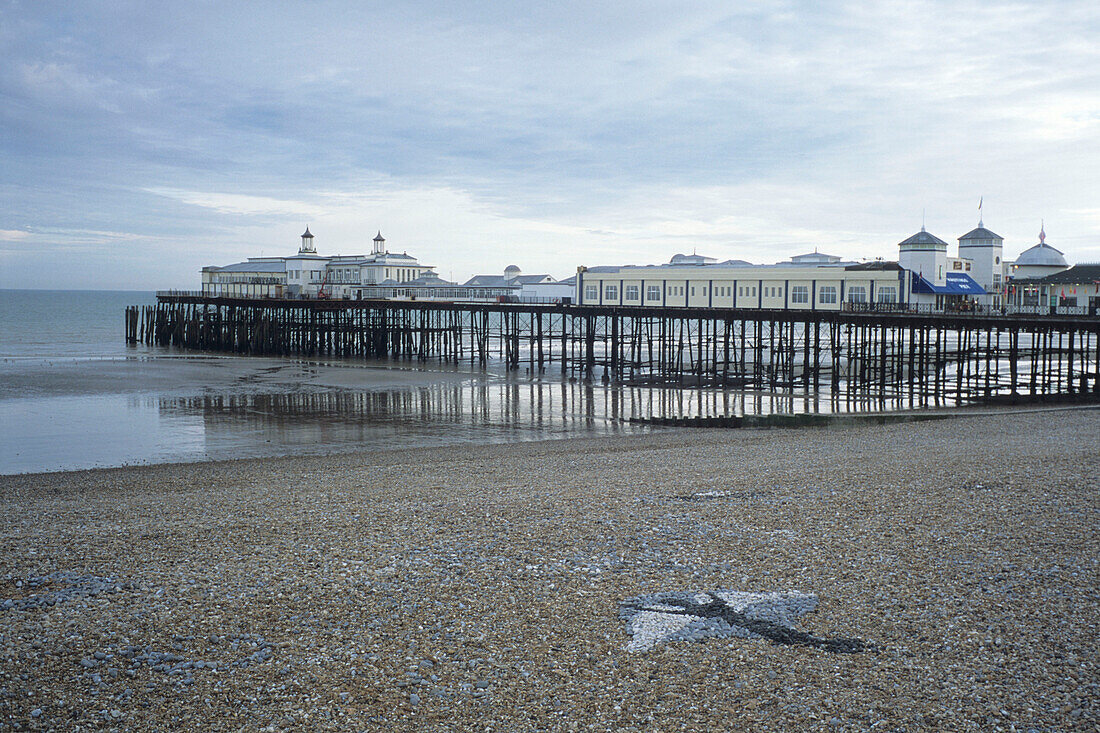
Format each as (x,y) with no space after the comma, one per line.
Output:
(981,200)
(1042,233)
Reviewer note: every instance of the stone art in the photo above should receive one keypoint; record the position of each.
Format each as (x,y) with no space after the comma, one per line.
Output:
(693,616)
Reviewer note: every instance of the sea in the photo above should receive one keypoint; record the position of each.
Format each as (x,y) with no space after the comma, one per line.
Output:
(75,395)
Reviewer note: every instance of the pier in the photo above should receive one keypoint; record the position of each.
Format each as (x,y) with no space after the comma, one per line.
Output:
(952,358)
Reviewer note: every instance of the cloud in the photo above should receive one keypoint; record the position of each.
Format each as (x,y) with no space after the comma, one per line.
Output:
(564,133)
(235,203)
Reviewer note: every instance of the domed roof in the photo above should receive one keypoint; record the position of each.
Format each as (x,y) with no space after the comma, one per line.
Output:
(923,237)
(1041,255)
(979,233)
(512,268)
(306,234)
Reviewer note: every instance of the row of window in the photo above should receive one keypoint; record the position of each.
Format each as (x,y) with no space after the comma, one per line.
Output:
(800,294)
(349,275)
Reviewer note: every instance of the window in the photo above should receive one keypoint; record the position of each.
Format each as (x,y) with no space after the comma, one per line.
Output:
(968,267)
(887,294)
(997,280)
(693,290)
(956,265)
(631,292)
(800,294)
(610,292)
(653,292)
(857,294)
(828,294)
(591,293)
(754,291)
(996,260)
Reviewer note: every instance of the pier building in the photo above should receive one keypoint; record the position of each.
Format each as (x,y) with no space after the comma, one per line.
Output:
(527,288)
(311,275)
(923,276)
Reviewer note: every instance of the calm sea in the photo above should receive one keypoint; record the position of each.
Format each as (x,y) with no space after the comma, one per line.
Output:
(74,395)
(65,323)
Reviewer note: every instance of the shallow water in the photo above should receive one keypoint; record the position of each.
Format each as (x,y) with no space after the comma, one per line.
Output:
(73,395)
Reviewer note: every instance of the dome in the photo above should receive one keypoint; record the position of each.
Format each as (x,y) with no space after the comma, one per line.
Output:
(691,259)
(1041,255)
(511,271)
(306,234)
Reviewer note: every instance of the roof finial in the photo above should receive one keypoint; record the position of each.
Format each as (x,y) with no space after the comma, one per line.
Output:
(922,220)
(1042,232)
(981,199)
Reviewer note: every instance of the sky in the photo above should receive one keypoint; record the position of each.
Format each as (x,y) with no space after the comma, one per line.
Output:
(141,141)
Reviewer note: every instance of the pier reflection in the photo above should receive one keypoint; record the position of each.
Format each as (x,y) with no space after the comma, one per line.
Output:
(477,411)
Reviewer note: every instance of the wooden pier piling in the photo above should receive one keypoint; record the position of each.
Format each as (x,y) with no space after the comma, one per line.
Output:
(953,358)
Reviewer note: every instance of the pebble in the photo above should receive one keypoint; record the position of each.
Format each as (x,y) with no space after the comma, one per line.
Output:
(257,583)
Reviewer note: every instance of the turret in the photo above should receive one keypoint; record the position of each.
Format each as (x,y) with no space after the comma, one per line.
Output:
(307,244)
(985,249)
(926,255)
(379,243)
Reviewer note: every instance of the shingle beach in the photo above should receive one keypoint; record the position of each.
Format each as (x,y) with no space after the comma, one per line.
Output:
(482,588)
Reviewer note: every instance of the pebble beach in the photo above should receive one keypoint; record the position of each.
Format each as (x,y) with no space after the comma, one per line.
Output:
(483,587)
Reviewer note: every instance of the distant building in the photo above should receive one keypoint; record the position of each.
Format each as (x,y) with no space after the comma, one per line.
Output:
(807,282)
(1025,286)
(1038,261)
(529,288)
(924,276)
(310,275)
(1079,287)
(983,251)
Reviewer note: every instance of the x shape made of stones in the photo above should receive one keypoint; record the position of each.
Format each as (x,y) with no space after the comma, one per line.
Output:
(777,633)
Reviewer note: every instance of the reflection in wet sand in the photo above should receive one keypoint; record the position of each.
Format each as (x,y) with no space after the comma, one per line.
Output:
(504,410)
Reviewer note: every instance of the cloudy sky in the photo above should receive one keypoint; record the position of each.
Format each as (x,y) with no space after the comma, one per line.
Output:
(140,141)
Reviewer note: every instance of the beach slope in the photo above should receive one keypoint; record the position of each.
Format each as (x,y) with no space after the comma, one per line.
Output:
(470,588)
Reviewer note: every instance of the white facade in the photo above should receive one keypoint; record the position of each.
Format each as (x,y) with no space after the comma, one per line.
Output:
(985,250)
(792,285)
(259,277)
(529,288)
(310,275)
(926,255)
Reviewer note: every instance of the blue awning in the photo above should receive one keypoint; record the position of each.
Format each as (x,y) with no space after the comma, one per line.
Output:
(957,284)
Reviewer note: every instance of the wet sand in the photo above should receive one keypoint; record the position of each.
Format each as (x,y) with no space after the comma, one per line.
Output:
(462,589)
(181,375)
